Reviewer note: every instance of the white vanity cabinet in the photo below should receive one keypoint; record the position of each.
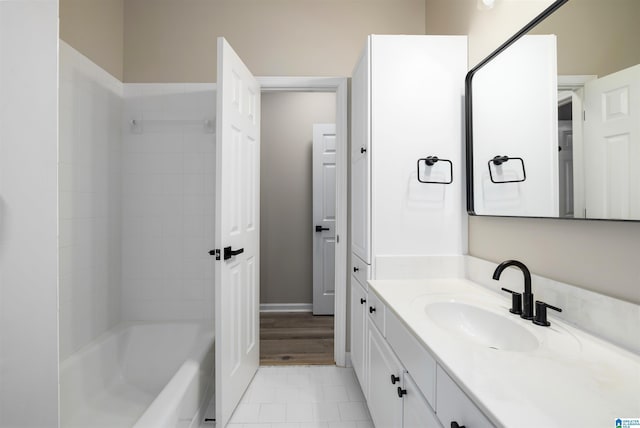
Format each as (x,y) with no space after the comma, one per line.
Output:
(406,104)
(454,405)
(416,412)
(358,331)
(405,386)
(384,375)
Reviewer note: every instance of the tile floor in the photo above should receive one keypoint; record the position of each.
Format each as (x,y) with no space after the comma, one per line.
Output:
(302,397)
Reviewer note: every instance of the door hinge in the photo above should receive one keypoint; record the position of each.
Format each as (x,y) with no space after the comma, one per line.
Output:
(216,253)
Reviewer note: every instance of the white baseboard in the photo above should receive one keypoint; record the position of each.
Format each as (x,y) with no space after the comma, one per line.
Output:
(286,307)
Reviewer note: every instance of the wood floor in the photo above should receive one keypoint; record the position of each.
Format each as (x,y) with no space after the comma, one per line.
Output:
(295,338)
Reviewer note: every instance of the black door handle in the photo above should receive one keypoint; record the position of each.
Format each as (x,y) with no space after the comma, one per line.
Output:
(320,228)
(228,252)
(363,149)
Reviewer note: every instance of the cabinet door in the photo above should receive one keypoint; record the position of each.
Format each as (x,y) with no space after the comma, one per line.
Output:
(360,154)
(385,405)
(416,412)
(453,405)
(358,331)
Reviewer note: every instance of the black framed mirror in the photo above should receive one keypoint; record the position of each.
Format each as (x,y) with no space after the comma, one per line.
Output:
(553,117)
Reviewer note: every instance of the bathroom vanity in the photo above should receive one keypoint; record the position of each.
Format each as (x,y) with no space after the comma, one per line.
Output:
(447,351)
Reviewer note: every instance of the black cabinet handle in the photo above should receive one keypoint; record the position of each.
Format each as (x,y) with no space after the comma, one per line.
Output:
(394,379)
(454,424)
(356,269)
(320,228)
(371,309)
(363,301)
(363,149)
(402,392)
(228,252)
(216,253)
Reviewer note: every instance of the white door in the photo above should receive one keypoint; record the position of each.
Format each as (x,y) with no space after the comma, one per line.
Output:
(324,218)
(237,231)
(612,145)
(565,167)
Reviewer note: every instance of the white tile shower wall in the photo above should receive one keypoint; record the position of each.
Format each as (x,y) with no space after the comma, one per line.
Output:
(612,319)
(168,205)
(90,141)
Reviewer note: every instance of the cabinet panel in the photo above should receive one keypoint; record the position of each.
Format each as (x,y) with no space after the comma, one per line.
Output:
(416,412)
(454,405)
(358,331)
(384,403)
(417,84)
(360,269)
(376,311)
(417,360)
(360,159)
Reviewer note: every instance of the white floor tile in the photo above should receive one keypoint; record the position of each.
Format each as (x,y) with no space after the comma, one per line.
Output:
(302,397)
(246,413)
(272,412)
(300,412)
(326,412)
(335,393)
(354,411)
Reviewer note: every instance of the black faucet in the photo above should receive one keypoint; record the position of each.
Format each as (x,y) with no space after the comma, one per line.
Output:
(527,296)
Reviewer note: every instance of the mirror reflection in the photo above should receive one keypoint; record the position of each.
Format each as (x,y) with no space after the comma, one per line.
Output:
(556,118)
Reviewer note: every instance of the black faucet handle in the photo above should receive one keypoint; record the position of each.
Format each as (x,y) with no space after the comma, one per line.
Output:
(541,313)
(516,301)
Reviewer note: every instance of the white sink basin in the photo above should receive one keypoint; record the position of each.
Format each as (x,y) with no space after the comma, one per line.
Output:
(481,326)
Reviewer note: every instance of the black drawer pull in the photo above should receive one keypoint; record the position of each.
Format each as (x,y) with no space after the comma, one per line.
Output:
(394,379)
(363,301)
(371,309)
(401,392)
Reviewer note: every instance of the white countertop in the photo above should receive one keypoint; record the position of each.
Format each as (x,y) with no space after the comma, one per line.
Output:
(572,379)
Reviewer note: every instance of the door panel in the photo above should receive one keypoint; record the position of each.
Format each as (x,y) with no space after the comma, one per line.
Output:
(360,154)
(324,218)
(612,145)
(237,228)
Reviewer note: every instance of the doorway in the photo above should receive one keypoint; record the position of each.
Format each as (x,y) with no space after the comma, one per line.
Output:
(289,332)
(334,91)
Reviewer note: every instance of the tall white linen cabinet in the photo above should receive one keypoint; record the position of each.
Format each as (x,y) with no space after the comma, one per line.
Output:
(407,104)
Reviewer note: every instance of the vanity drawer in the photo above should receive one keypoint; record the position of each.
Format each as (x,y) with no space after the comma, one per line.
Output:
(415,358)
(360,270)
(376,311)
(454,406)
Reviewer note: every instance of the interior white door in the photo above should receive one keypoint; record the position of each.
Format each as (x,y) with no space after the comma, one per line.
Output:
(237,231)
(324,218)
(612,145)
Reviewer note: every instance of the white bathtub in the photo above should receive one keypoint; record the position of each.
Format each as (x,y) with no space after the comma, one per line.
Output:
(142,375)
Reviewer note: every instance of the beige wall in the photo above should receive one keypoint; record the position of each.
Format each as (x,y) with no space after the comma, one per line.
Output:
(597,255)
(584,44)
(175,40)
(96,29)
(487,29)
(286,265)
